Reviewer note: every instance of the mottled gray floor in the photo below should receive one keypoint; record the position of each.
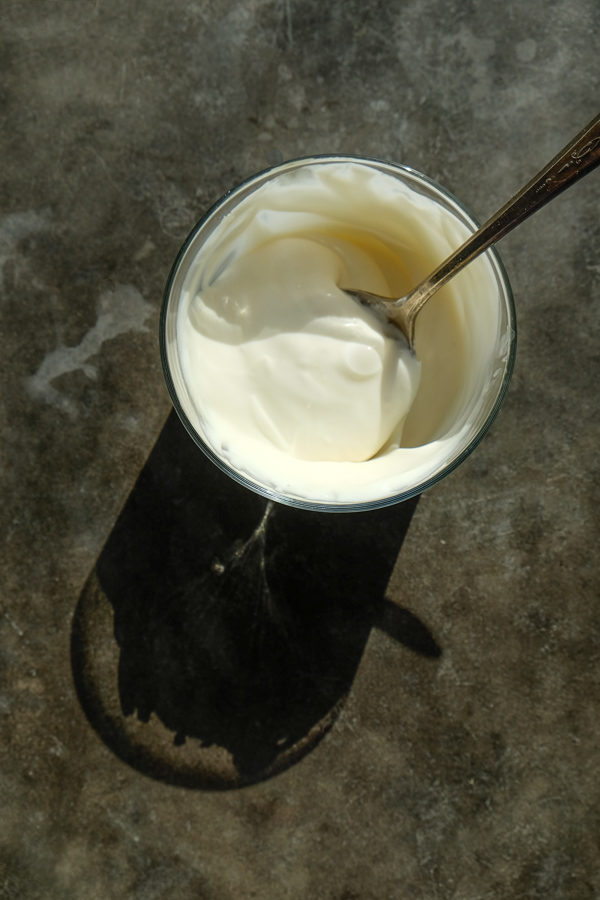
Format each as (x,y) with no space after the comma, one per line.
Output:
(466,776)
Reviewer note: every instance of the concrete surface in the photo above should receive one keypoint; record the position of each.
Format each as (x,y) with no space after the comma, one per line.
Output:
(458,750)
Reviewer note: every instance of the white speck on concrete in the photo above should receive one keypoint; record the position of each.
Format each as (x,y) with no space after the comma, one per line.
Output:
(284,72)
(379,105)
(144,251)
(13,624)
(526,50)
(57,748)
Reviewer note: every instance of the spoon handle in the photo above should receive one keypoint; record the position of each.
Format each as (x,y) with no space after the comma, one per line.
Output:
(579,157)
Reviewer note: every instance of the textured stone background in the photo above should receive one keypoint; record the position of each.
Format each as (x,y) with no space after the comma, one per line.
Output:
(469,776)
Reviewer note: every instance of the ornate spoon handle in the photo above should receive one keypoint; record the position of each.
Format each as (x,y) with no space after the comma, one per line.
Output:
(579,157)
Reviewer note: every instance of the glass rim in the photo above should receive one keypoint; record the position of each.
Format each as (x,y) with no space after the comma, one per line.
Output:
(327,505)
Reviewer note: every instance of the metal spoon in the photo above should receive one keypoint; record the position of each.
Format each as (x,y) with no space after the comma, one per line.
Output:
(579,157)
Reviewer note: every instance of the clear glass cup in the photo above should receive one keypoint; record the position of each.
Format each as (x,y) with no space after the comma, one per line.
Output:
(485,402)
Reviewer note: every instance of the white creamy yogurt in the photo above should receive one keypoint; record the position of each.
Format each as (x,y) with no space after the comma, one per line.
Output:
(298,388)
(292,360)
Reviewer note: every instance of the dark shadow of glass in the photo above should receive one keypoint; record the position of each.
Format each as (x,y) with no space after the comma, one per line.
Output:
(217,638)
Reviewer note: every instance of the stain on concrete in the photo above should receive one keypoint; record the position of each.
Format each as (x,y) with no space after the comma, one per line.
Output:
(121,310)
